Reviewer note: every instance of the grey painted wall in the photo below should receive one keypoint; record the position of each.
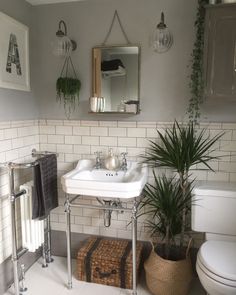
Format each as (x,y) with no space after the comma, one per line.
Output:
(15,104)
(164,77)
(164,83)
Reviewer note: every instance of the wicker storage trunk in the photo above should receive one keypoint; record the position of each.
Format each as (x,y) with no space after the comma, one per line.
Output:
(107,261)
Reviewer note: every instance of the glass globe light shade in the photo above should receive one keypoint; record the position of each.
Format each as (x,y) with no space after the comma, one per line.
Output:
(62,46)
(162,38)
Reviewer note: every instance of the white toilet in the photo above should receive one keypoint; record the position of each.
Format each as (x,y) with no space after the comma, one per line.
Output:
(214,212)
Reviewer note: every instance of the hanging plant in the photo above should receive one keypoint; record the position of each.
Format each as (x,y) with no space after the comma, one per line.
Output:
(68,88)
(196,78)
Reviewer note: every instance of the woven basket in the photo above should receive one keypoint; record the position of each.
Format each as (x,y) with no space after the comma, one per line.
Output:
(167,277)
(107,261)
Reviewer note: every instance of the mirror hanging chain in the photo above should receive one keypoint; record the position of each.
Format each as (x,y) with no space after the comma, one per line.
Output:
(116,15)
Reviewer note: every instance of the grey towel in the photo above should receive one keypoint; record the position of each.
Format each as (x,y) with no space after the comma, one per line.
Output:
(45,196)
(111,65)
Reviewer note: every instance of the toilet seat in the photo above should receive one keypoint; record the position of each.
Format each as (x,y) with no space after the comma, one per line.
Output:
(217,260)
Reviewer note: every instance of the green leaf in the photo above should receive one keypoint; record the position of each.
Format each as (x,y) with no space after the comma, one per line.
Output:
(196,78)
(68,90)
(180,148)
(165,203)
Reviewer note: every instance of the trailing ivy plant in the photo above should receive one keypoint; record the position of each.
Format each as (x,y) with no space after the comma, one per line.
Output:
(68,87)
(67,93)
(196,78)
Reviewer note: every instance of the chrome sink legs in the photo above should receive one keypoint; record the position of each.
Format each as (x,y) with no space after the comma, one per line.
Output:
(68,239)
(134,244)
(69,204)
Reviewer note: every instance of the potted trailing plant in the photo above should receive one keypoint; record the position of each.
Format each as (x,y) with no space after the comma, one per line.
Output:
(68,93)
(68,88)
(180,149)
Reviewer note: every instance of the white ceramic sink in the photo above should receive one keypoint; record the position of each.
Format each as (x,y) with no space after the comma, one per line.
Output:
(86,180)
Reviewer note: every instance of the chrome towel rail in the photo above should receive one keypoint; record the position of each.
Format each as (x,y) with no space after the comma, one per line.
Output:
(13,195)
(12,165)
(34,153)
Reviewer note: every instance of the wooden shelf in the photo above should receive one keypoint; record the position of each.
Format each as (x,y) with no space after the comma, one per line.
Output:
(113,113)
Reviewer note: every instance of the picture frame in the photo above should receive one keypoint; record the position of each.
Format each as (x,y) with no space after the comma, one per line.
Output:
(14,54)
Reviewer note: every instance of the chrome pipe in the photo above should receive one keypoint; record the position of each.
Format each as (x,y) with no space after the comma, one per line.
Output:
(44,249)
(23,287)
(21,252)
(20,193)
(34,153)
(23,165)
(48,232)
(134,245)
(44,264)
(4,165)
(68,240)
(74,198)
(88,206)
(11,165)
(13,230)
(107,214)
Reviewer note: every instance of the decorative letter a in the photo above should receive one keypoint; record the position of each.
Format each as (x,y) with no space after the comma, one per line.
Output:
(13,55)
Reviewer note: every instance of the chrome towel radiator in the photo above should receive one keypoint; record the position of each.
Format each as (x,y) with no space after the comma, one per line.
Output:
(13,196)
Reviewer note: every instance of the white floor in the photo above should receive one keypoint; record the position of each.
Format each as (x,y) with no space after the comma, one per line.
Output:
(52,280)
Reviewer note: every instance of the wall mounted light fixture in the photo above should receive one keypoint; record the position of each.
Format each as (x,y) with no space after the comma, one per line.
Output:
(63,45)
(162,38)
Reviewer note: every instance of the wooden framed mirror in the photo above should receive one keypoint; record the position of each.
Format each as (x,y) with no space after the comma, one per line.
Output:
(116,79)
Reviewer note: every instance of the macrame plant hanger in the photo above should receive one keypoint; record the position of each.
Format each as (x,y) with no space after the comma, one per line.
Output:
(116,16)
(69,88)
(66,64)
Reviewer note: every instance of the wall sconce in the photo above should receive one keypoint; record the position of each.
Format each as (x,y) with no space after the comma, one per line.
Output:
(162,38)
(63,45)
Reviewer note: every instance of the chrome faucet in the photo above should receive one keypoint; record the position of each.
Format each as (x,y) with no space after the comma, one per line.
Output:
(98,163)
(124,162)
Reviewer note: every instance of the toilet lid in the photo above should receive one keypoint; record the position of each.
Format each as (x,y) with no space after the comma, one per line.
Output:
(215,188)
(223,281)
(219,257)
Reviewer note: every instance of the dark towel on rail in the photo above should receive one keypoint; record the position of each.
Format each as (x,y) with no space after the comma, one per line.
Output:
(45,196)
(111,65)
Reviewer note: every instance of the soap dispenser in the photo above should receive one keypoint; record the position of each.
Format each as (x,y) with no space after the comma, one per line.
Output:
(111,162)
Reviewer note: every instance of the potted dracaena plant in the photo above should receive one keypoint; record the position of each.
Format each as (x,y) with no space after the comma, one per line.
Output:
(167,202)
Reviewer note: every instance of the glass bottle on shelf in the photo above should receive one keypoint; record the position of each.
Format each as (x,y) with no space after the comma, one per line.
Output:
(122,106)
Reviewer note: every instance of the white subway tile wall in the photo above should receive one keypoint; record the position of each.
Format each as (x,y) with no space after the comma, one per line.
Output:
(88,137)
(17,139)
(75,140)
